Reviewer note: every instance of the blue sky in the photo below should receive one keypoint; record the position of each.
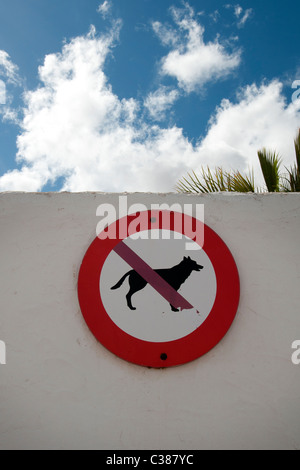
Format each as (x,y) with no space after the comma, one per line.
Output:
(129,95)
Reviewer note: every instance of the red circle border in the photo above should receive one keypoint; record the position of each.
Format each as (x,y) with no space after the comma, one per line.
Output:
(177,352)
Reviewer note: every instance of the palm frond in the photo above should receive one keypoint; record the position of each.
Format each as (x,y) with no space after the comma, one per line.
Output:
(292,180)
(240,183)
(192,183)
(296,169)
(270,165)
(297,150)
(214,181)
(186,186)
(219,180)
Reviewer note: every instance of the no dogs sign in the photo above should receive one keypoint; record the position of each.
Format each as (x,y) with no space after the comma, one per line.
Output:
(149,299)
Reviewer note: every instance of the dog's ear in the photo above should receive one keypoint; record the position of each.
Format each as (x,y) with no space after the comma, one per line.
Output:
(189,257)
(185,258)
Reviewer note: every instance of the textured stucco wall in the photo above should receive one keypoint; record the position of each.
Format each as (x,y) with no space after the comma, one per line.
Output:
(61,389)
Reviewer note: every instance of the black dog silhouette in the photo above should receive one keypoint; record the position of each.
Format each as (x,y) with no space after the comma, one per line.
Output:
(175,276)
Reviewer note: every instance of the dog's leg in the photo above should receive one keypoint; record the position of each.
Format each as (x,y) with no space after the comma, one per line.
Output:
(174,309)
(136,283)
(128,298)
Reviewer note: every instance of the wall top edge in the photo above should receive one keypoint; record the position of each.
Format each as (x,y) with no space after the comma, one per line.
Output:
(149,194)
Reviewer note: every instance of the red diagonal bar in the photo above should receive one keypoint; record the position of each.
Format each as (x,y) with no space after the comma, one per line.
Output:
(153,278)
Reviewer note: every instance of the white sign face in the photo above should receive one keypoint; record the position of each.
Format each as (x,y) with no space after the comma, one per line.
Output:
(147,315)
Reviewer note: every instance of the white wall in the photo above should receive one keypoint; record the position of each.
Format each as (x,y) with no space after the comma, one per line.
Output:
(62,389)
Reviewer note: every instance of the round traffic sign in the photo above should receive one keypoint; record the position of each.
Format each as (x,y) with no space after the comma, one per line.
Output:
(150,301)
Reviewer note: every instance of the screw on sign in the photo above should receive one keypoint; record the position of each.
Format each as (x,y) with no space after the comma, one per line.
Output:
(150,302)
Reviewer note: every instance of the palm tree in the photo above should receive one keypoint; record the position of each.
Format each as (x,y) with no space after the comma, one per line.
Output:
(233,181)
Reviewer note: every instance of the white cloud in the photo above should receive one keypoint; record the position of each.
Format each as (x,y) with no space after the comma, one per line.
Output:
(191,61)
(76,128)
(215,16)
(8,69)
(27,179)
(241,14)
(9,79)
(238,10)
(160,101)
(104,8)
(2,92)
(248,13)
(167,35)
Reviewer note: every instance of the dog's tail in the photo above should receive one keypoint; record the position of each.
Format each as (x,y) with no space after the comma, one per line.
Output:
(120,281)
